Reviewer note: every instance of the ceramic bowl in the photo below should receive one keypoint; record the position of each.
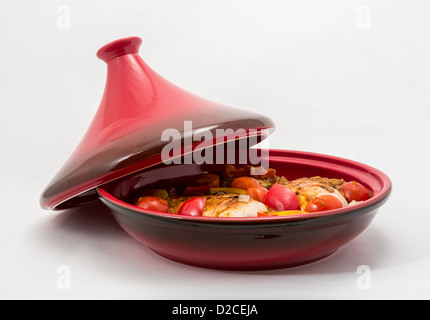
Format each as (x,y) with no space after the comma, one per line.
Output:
(249,243)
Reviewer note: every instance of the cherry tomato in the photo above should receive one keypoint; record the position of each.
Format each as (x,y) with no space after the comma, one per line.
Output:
(281,198)
(244,183)
(153,204)
(355,191)
(323,203)
(193,207)
(257,193)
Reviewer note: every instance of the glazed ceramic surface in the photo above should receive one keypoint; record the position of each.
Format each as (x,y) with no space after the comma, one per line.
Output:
(137,106)
(249,243)
(121,152)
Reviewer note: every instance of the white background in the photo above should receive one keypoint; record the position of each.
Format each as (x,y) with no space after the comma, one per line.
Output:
(347,78)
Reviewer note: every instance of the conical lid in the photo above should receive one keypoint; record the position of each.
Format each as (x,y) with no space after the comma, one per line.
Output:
(140,118)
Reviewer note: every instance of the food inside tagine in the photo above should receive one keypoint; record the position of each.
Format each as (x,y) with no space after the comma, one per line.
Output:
(236,192)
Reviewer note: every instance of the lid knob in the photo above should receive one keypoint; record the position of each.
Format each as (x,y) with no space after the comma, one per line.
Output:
(119,48)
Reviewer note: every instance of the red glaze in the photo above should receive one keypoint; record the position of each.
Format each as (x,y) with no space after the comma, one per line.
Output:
(120,153)
(250,243)
(125,134)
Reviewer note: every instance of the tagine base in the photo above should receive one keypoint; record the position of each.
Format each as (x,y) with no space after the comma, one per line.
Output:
(237,267)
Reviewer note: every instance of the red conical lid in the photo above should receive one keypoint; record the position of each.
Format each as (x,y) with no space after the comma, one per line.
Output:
(140,116)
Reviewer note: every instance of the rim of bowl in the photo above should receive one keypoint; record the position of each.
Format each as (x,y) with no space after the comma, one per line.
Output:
(375,200)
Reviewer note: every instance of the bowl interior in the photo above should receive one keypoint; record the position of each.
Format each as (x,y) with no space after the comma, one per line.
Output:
(291,164)
(248,243)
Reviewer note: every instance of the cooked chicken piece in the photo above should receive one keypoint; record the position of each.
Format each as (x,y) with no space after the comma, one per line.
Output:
(224,205)
(307,189)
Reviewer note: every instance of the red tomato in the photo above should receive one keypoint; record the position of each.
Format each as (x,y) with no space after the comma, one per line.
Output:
(193,207)
(281,198)
(244,183)
(355,191)
(257,193)
(153,204)
(323,203)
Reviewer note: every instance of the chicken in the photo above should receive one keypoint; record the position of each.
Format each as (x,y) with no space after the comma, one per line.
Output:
(307,189)
(223,205)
